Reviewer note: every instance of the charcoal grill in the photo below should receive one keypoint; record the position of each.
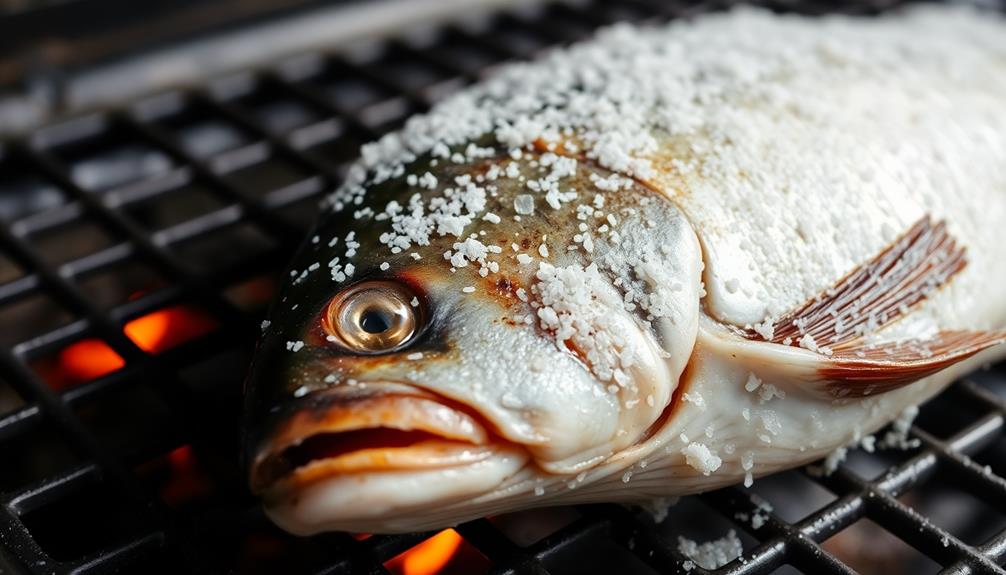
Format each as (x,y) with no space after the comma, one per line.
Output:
(140,244)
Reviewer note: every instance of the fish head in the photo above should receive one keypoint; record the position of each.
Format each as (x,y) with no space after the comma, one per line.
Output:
(450,340)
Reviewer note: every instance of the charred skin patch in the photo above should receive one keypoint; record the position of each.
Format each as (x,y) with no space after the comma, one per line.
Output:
(506,287)
(503,290)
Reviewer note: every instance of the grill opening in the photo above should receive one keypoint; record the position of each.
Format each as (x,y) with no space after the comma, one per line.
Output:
(65,528)
(141,244)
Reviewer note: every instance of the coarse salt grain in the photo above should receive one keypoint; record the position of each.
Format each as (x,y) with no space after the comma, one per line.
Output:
(524,204)
(700,458)
(713,554)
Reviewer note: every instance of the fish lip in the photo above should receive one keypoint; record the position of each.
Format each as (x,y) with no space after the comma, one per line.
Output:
(456,435)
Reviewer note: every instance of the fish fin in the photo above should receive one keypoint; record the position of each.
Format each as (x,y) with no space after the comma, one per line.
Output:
(849,371)
(873,295)
(876,294)
(872,369)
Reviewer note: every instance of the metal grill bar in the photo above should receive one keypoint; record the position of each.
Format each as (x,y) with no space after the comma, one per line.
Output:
(326,120)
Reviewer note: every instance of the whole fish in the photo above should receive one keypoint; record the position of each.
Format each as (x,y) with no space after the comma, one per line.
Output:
(656,263)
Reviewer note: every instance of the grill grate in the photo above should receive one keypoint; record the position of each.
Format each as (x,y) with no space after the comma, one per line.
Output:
(139,247)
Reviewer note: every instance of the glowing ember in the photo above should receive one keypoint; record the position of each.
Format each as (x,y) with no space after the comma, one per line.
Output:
(187,481)
(85,360)
(166,328)
(429,557)
(91,358)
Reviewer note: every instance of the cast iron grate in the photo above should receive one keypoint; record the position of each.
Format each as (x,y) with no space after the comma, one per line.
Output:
(139,247)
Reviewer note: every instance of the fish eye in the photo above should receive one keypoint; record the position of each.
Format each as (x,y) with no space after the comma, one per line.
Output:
(373,317)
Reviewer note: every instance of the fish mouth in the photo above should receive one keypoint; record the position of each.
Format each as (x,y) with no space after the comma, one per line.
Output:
(368,460)
(389,427)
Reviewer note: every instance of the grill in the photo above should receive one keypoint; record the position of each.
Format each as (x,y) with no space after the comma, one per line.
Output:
(140,244)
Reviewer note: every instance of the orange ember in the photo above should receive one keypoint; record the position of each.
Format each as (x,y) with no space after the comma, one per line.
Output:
(85,360)
(187,482)
(155,332)
(429,557)
(166,328)
(179,477)
(360,536)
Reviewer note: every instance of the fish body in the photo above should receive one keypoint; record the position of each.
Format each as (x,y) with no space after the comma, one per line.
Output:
(652,264)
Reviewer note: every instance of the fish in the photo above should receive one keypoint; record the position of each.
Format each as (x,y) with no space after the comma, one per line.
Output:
(659,262)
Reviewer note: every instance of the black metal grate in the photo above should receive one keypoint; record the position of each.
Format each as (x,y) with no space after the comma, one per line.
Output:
(139,247)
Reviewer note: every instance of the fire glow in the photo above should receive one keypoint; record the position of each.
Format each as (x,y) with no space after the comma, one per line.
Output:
(187,482)
(85,360)
(169,327)
(429,557)
(154,333)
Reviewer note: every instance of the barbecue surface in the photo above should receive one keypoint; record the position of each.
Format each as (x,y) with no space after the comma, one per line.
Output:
(139,247)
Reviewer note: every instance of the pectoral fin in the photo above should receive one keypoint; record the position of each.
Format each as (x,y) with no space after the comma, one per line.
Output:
(853,372)
(838,323)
